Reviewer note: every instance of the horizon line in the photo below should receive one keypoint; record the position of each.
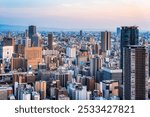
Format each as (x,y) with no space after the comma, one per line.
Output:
(72,29)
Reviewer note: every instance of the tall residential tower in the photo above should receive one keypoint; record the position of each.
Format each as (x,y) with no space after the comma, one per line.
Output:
(135,72)
(105,41)
(129,36)
(50,41)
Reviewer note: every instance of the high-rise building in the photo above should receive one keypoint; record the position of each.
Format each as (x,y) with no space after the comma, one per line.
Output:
(26,33)
(33,56)
(118,31)
(6,52)
(40,86)
(9,35)
(80,93)
(105,41)
(96,48)
(1,68)
(149,60)
(81,33)
(110,88)
(8,41)
(129,36)
(28,42)
(19,49)
(7,48)
(50,41)
(90,83)
(64,77)
(36,40)
(112,74)
(19,77)
(135,72)
(19,63)
(32,31)
(71,52)
(95,65)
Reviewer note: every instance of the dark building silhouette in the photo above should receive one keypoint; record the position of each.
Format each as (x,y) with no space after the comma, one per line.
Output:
(129,36)
(96,48)
(118,31)
(81,34)
(32,31)
(135,72)
(50,41)
(105,41)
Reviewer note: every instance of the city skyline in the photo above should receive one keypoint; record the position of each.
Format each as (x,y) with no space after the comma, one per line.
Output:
(75,66)
(74,50)
(78,14)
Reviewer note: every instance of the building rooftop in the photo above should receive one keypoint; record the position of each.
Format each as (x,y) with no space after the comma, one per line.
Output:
(112,70)
(109,81)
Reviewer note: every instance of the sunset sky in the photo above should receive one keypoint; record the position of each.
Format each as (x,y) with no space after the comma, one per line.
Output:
(79,14)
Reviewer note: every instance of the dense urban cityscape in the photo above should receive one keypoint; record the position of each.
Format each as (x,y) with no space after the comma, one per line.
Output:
(71,65)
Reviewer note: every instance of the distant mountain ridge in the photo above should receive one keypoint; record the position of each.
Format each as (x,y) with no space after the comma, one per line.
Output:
(18,28)
(5,27)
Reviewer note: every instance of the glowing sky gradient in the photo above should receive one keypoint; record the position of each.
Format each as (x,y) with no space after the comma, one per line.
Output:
(80,14)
